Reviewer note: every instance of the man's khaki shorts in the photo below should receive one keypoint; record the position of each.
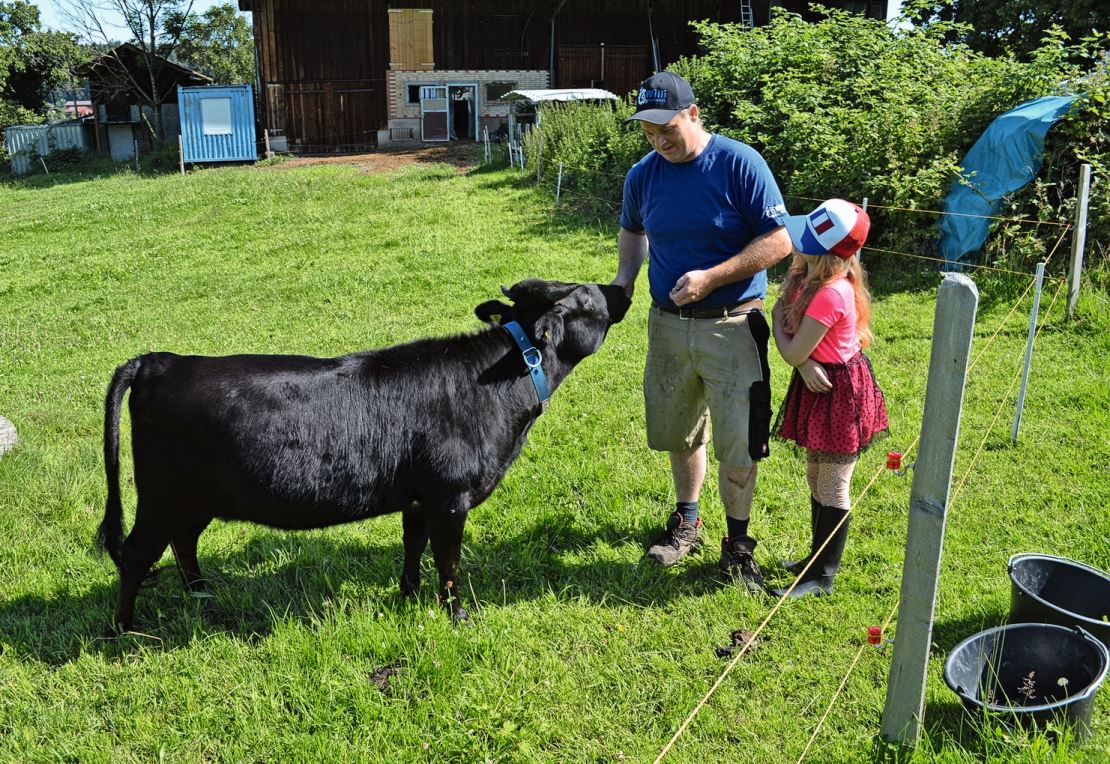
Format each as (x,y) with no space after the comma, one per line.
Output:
(699,368)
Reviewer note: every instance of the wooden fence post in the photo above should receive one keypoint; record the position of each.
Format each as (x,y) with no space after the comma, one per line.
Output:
(953,326)
(1078,238)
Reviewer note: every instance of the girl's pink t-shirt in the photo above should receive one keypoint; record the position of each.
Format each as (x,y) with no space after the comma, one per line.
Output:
(834,305)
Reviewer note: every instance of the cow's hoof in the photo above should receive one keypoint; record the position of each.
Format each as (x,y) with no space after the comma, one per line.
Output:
(116,630)
(460,617)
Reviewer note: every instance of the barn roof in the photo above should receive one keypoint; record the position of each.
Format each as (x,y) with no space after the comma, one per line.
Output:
(134,53)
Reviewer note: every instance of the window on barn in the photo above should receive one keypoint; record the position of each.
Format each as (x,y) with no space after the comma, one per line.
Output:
(215,116)
(495,90)
(412,92)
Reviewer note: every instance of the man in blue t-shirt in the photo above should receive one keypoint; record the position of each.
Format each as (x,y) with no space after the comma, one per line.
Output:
(703,209)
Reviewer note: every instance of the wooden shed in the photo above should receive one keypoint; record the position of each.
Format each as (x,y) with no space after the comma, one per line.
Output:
(121,112)
(337,75)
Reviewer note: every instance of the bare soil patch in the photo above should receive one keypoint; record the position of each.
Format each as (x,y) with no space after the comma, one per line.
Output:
(461,154)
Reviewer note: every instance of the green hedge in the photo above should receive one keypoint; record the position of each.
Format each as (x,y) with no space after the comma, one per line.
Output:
(848,106)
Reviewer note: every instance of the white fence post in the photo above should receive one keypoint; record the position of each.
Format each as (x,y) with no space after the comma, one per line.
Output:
(953,326)
(539,152)
(1078,238)
(864,205)
(559,184)
(1028,352)
(181,154)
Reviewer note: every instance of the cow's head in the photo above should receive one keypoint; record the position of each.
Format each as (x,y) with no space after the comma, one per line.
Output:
(572,318)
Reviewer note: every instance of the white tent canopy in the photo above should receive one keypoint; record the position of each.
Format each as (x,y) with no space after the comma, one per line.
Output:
(565,94)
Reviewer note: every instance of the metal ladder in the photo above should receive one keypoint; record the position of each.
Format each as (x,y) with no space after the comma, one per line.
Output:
(746,18)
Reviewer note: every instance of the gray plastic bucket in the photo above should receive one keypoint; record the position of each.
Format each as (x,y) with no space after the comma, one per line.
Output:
(1032,673)
(1047,589)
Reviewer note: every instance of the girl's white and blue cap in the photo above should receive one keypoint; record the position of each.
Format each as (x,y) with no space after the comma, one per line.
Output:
(836,227)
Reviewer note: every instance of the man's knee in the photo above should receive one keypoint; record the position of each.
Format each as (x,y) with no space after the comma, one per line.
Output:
(739,478)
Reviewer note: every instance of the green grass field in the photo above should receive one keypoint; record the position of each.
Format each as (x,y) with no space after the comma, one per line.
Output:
(579,651)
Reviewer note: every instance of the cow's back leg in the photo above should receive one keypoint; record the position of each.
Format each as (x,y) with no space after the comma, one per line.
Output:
(415,538)
(446,531)
(184,545)
(142,548)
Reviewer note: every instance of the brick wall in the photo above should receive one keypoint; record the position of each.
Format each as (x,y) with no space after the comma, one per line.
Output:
(398,82)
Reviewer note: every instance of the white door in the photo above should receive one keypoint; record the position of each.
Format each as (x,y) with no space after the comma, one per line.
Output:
(433,113)
(121,142)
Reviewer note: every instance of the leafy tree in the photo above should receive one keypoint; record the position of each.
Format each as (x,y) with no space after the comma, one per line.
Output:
(33,63)
(219,43)
(995,27)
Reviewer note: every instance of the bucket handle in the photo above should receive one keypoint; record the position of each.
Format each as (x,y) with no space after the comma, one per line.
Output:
(1085,634)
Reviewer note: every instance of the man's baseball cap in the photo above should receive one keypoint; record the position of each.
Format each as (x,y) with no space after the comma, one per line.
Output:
(660,97)
(836,227)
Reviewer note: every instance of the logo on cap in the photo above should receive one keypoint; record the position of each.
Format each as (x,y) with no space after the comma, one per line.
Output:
(652,95)
(836,227)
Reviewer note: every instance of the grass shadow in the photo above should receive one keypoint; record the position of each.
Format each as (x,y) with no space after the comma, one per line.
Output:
(277,576)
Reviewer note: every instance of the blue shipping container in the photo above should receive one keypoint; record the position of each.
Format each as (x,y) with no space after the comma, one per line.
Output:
(217,123)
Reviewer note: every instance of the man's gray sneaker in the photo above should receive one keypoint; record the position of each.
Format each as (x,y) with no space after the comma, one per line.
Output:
(677,541)
(738,561)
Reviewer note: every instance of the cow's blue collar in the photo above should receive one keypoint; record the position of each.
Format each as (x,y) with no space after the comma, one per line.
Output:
(532,360)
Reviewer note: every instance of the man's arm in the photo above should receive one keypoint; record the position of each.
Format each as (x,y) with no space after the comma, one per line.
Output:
(760,254)
(632,249)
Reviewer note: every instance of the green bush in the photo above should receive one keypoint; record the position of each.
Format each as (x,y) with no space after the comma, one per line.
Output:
(595,147)
(848,106)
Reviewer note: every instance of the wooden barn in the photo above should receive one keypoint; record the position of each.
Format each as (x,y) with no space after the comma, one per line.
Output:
(346,75)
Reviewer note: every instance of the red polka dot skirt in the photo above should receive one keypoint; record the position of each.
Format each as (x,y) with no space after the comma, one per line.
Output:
(843,420)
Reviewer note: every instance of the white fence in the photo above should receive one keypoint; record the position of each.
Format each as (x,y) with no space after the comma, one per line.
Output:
(24,140)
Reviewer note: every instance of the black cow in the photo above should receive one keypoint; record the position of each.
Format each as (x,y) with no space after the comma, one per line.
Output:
(427,428)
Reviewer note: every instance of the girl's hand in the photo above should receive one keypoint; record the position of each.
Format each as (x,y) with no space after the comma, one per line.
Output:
(813,374)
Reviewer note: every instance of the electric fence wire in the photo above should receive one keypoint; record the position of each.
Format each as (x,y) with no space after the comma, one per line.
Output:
(951,503)
(751,640)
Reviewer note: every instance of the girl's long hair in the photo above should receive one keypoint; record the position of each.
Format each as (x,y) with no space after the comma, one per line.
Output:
(802,284)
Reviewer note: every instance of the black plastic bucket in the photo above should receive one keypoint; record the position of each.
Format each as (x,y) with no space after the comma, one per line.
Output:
(1033,673)
(1047,589)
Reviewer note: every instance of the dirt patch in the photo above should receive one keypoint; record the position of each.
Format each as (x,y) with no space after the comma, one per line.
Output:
(462,154)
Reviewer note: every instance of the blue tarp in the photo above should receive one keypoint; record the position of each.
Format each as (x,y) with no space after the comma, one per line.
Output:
(1007,156)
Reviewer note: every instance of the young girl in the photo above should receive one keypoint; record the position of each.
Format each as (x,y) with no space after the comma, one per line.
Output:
(834,407)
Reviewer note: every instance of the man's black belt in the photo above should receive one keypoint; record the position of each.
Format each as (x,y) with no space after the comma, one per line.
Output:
(722,312)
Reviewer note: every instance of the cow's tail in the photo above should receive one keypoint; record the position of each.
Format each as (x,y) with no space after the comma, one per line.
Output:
(109,537)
